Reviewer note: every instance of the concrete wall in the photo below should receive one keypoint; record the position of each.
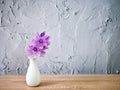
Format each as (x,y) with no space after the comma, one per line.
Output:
(85,35)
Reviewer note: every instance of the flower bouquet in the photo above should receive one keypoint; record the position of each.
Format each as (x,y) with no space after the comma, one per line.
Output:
(36,48)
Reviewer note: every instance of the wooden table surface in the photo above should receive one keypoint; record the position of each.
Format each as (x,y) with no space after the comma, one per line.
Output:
(63,82)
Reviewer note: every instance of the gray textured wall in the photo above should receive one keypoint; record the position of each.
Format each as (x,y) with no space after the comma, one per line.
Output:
(85,35)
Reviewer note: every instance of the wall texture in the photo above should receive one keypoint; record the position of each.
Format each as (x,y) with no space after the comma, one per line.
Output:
(85,35)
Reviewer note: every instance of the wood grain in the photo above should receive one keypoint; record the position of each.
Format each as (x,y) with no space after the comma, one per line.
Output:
(63,82)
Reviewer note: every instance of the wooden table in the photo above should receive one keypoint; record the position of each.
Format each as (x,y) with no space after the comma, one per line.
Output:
(63,82)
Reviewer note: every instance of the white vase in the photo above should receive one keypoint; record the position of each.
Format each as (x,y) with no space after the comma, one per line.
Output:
(33,73)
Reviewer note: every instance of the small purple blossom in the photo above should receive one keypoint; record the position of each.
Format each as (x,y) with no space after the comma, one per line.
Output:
(40,41)
(38,45)
(42,34)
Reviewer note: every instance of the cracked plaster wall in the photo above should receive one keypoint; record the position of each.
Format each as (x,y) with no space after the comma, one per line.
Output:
(85,35)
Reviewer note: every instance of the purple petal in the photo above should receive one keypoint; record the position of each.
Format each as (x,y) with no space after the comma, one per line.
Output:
(45,47)
(42,53)
(47,37)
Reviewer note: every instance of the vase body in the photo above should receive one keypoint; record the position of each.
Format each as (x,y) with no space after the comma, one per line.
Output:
(33,73)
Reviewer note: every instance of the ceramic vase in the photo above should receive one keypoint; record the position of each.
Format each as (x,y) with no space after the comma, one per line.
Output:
(33,73)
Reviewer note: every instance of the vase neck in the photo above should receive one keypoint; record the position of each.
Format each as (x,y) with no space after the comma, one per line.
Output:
(32,59)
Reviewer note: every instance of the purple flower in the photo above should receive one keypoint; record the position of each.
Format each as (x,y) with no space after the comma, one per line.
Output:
(38,45)
(33,51)
(42,34)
